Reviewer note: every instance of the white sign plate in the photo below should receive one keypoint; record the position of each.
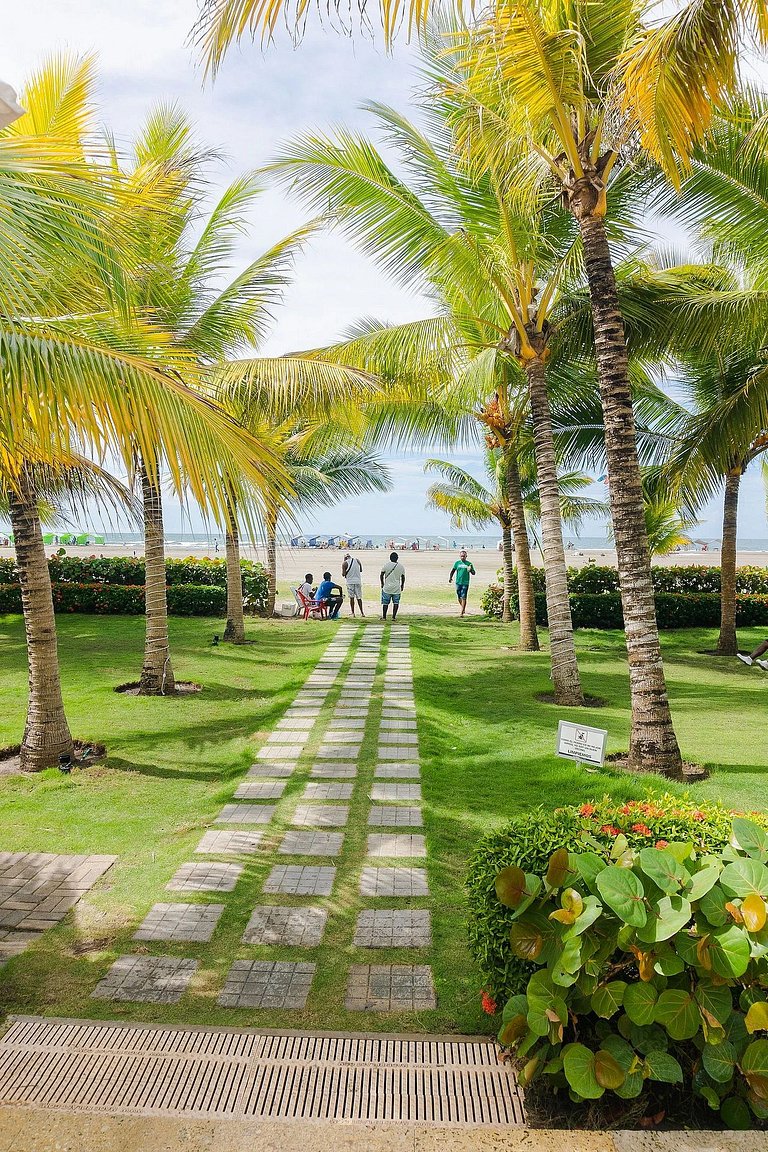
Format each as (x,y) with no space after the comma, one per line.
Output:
(579,742)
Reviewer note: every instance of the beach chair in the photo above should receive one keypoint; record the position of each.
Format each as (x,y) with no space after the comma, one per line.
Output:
(307,607)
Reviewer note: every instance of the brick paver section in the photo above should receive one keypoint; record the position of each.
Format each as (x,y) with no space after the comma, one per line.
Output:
(146,979)
(339,752)
(267,984)
(338,771)
(391,844)
(253,790)
(387,816)
(37,889)
(320,815)
(280,752)
(295,724)
(316,791)
(393,928)
(389,988)
(293,927)
(205,877)
(245,814)
(194,922)
(397,771)
(397,752)
(301,879)
(272,770)
(396,792)
(312,844)
(375,882)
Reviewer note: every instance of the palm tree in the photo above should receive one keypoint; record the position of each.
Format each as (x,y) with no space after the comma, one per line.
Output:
(441,229)
(69,387)
(576,87)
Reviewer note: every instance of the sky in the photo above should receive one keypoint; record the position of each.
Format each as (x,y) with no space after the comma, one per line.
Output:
(259,100)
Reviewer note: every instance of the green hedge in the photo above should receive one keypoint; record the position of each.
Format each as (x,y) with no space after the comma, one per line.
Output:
(128,570)
(529,840)
(673,610)
(122,599)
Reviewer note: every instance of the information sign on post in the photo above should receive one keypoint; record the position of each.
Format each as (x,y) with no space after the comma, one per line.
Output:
(582,743)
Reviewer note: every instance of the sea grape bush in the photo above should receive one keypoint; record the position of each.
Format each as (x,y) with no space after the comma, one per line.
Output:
(651,965)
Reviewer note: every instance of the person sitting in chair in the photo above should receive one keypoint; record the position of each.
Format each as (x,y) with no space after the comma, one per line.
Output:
(306,587)
(331,594)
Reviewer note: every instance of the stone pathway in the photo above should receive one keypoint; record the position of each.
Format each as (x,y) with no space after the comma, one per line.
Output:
(311,773)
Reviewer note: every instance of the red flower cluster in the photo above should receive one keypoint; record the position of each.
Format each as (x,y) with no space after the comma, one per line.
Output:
(489,1004)
(610,830)
(642,829)
(586,809)
(661,844)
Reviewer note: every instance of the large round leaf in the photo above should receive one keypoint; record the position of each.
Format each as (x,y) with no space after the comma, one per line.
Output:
(667,916)
(526,940)
(729,951)
(511,1032)
(607,1000)
(719,1061)
(623,892)
(735,1114)
(702,882)
(742,877)
(678,1012)
(510,886)
(662,867)
(608,1071)
(579,1066)
(714,1000)
(640,1003)
(712,906)
(589,866)
(663,1067)
(751,838)
(756,1019)
(558,868)
(754,1065)
(753,912)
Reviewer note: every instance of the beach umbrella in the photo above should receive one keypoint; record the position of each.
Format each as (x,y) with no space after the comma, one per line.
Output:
(10,109)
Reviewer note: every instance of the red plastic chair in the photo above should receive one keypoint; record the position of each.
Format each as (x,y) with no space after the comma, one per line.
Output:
(307,606)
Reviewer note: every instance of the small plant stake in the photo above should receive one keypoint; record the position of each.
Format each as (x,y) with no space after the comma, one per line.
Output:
(581,743)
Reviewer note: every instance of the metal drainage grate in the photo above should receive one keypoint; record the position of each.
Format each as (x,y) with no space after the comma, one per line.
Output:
(203,1072)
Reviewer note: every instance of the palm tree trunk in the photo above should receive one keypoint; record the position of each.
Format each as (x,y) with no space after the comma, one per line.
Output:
(509,574)
(726,643)
(565,669)
(271,527)
(529,637)
(46,732)
(235,627)
(157,673)
(653,744)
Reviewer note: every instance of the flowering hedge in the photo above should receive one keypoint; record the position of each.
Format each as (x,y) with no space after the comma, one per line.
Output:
(530,839)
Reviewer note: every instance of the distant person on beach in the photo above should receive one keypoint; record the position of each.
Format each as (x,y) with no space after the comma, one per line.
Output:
(352,571)
(330,594)
(392,584)
(462,570)
(754,657)
(306,587)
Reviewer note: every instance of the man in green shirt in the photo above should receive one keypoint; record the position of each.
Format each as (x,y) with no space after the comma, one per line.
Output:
(462,570)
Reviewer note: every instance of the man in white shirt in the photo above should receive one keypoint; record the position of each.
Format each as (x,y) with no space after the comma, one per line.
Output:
(352,571)
(392,584)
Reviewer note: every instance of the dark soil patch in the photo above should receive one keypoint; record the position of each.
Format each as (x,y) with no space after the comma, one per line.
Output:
(589,701)
(87,752)
(183,688)
(692,773)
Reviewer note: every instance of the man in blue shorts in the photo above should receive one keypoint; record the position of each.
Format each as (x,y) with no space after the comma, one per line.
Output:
(462,570)
(392,583)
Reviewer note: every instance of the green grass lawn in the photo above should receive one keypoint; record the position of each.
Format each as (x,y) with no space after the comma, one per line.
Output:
(487,751)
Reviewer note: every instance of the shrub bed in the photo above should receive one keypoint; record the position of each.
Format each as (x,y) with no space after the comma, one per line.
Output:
(122,599)
(529,840)
(651,972)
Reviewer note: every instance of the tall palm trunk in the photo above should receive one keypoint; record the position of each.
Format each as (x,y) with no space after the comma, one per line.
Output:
(565,669)
(46,732)
(271,530)
(529,637)
(157,672)
(509,573)
(653,744)
(726,643)
(235,626)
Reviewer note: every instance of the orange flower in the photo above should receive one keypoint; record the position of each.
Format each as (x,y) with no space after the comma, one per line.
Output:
(489,1004)
(699,816)
(586,809)
(641,829)
(661,843)
(610,830)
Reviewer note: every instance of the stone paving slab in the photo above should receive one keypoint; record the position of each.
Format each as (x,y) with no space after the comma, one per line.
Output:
(312,844)
(398,725)
(338,752)
(190,922)
(392,845)
(345,725)
(320,815)
(205,877)
(388,792)
(319,791)
(339,771)
(246,814)
(291,927)
(254,790)
(290,739)
(280,752)
(390,988)
(398,752)
(398,738)
(295,724)
(376,882)
(272,770)
(267,984)
(37,889)
(301,879)
(351,713)
(146,979)
(393,928)
(390,816)
(230,843)
(397,771)
(343,736)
